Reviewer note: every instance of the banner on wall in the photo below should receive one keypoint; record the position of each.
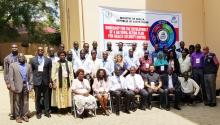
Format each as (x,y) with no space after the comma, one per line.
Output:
(128,26)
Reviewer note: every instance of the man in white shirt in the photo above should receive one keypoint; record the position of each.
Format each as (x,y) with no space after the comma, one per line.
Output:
(82,63)
(95,47)
(144,49)
(75,50)
(185,63)
(111,54)
(189,88)
(86,50)
(135,50)
(118,89)
(121,50)
(132,60)
(135,85)
(95,63)
(107,64)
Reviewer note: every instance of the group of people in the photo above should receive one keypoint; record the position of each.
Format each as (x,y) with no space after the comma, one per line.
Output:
(88,76)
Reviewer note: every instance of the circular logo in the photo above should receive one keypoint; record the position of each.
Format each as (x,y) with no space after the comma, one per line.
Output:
(162,33)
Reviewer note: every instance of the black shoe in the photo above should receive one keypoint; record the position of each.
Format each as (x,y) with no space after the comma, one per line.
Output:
(38,116)
(177,107)
(12,118)
(117,113)
(149,106)
(143,108)
(48,115)
(212,104)
(127,111)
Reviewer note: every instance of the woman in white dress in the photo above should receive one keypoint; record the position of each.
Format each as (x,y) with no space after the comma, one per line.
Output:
(81,89)
(101,89)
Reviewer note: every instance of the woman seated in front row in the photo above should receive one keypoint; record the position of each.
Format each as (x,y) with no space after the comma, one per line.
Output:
(101,89)
(81,89)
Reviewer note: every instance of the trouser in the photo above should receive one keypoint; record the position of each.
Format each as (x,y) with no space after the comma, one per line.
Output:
(198,76)
(21,103)
(11,96)
(187,97)
(210,87)
(159,91)
(45,91)
(144,96)
(177,96)
(117,94)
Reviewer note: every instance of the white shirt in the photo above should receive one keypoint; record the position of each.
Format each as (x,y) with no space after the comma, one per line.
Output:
(82,64)
(123,52)
(117,82)
(137,53)
(132,62)
(185,64)
(111,55)
(108,65)
(189,86)
(141,53)
(75,53)
(170,82)
(95,65)
(134,82)
(80,87)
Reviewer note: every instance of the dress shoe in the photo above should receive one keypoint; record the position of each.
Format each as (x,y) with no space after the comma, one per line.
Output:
(117,113)
(127,111)
(149,107)
(177,107)
(212,104)
(12,117)
(47,115)
(143,108)
(18,120)
(38,116)
(25,118)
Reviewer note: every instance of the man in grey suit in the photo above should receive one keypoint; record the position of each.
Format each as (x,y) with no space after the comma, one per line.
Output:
(11,58)
(20,79)
(41,67)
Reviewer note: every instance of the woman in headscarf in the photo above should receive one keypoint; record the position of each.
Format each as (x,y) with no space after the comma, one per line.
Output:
(161,64)
(62,76)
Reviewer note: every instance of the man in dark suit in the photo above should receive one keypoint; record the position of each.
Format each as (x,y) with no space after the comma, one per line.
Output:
(171,85)
(41,67)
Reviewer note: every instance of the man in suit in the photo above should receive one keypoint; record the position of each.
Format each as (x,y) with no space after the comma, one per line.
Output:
(20,79)
(172,85)
(41,67)
(11,58)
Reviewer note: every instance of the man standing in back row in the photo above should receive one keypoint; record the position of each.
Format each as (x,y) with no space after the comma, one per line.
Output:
(41,67)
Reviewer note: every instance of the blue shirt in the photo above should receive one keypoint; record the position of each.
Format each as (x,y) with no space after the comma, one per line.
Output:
(23,72)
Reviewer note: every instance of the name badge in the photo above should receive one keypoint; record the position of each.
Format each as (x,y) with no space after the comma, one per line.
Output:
(161,68)
(40,68)
(147,65)
(152,84)
(197,60)
(155,58)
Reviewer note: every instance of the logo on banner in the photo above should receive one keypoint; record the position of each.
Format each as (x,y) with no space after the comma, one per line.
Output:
(162,33)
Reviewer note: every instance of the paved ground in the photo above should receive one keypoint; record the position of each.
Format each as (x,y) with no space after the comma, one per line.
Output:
(196,115)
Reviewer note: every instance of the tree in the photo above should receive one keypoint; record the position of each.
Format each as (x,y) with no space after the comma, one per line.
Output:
(33,15)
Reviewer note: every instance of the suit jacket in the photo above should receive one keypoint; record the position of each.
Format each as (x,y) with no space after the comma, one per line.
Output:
(41,77)
(15,77)
(165,81)
(7,61)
